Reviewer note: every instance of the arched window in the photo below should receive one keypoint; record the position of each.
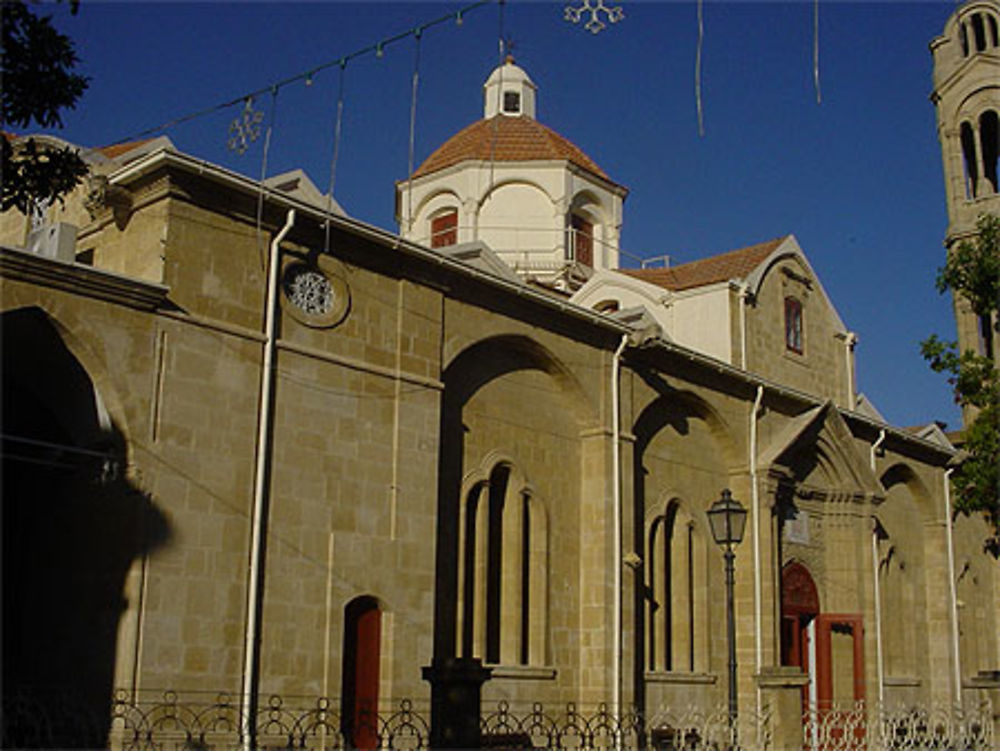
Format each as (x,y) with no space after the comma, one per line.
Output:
(793,325)
(504,590)
(970,162)
(994,36)
(989,138)
(963,38)
(580,245)
(676,620)
(978,32)
(444,228)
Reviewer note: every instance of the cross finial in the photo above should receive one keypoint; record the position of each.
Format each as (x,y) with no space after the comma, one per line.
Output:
(508,46)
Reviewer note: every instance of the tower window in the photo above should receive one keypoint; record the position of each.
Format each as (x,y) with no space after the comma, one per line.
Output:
(989,137)
(444,229)
(992,23)
(512,102)
(979,31)
(986,336)
(793,325)
(963,38)
(969,155)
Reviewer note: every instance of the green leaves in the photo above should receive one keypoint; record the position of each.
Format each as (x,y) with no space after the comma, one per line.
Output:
(38,83)
(973,272)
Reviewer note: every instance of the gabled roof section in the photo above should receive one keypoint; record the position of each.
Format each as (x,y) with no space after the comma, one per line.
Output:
(735,264)
(508,139)
(297,183)
(748,265)
(480,256)
(823,431)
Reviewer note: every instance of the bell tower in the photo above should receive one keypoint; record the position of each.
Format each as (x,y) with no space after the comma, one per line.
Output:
(967,98)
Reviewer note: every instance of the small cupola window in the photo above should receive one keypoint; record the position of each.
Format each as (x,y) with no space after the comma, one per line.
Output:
(511,103)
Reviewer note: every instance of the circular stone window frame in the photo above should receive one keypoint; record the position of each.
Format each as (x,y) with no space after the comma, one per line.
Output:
(334,274)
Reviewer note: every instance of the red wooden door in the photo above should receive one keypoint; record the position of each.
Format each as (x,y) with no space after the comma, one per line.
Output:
(362,639)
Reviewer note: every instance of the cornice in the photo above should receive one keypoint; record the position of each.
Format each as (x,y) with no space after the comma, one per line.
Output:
(22,265)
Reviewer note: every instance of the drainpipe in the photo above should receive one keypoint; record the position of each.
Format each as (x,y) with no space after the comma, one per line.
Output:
(879,667)
(255,589)
(617,511)
(849,341)
(957,697)
(744,301)
(755,506)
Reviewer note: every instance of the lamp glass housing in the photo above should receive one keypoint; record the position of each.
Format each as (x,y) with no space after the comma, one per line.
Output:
(728,519)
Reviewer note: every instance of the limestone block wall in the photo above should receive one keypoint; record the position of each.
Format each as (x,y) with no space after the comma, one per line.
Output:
(821,367)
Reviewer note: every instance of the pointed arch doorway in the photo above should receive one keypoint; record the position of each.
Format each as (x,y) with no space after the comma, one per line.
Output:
(799,611)
(827,647)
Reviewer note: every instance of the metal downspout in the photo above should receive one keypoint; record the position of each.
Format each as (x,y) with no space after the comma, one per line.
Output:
(758,626)
(251,657)
(879,667)
(956,655)
(617,511)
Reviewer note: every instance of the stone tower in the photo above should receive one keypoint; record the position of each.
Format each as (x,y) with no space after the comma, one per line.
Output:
(967,97)
(509,182)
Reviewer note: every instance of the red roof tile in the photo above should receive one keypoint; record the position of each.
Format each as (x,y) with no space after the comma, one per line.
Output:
(118,149)
(736,264)
(507,139)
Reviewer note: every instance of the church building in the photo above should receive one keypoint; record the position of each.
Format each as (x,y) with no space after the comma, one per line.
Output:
(273,476)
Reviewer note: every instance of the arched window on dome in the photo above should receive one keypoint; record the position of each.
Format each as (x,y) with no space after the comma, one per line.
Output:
(504,589)
(444,228)
(963,38)
(994,33)
(580,243)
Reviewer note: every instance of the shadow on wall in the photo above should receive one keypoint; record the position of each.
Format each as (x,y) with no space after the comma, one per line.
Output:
(72,526)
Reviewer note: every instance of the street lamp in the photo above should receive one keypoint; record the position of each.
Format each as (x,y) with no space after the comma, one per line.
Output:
(728,519)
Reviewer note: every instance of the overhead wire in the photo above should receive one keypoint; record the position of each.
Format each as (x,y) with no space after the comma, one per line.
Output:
(307,75)
(697,68)
(413,125)
(336,154)
(819,97)
(263,175)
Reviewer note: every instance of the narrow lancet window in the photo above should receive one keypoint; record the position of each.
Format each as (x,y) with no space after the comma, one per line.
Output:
(969,154)
(989,138)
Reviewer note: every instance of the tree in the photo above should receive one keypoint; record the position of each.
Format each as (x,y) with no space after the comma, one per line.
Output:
(972,271)
(38,83)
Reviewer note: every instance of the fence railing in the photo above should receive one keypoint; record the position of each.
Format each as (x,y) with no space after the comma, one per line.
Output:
(899,728)
(167,722)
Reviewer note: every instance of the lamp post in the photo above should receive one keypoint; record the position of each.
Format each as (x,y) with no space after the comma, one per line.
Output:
(728,518)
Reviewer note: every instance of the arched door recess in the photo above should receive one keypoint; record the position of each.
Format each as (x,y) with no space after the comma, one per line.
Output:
(359,688)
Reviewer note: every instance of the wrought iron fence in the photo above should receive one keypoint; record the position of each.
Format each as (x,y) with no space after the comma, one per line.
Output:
(167,722)
(861,726)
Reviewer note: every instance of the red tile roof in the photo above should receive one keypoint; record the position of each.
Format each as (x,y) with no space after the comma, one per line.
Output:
(507,139)
(118,149)
(736,264)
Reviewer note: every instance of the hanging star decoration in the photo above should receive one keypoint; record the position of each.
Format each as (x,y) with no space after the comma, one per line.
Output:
(596,8)
(245,129)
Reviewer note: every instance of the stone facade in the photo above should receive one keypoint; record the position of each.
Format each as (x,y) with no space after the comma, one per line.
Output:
(419,461)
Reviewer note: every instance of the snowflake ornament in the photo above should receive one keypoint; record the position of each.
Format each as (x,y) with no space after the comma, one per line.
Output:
(613,14)
(245,129)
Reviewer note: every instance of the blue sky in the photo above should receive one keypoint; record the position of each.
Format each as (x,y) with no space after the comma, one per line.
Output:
(857,177)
